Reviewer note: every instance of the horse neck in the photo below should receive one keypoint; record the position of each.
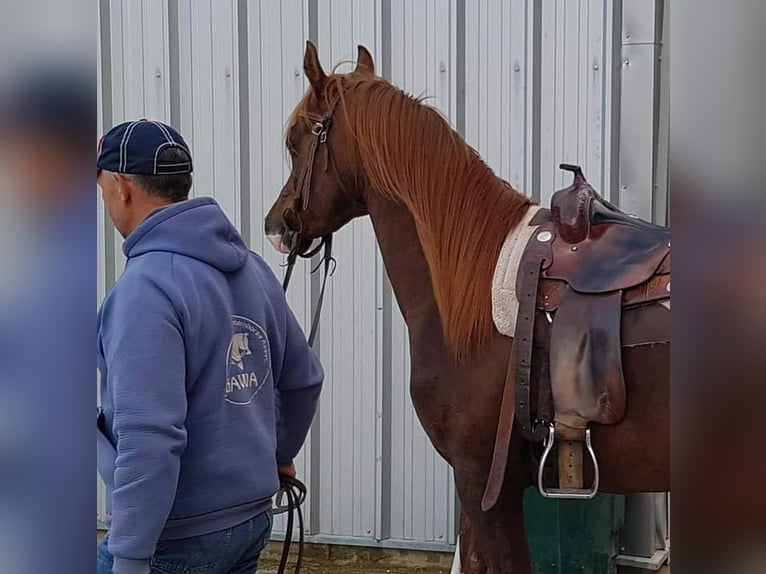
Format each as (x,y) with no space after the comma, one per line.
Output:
(407,270)
(461,212)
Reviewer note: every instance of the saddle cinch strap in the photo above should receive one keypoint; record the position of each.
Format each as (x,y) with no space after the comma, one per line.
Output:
(586,263)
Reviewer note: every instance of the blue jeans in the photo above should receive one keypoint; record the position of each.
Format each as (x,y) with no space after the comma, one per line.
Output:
(232,551)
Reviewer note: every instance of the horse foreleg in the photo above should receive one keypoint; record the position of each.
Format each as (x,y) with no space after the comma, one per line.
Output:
(495,541)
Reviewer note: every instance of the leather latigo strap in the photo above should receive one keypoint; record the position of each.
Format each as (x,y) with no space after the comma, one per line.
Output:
(536,255)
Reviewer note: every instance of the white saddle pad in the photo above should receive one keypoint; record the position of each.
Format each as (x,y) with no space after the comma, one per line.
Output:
(505,305)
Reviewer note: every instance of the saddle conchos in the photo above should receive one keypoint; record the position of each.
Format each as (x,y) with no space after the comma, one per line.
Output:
(585,265)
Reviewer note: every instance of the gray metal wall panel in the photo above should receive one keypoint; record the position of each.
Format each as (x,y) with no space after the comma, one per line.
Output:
(348,338)
(422,490)
(532,84)
(637,132)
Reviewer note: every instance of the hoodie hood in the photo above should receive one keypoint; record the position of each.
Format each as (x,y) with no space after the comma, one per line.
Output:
(196,228)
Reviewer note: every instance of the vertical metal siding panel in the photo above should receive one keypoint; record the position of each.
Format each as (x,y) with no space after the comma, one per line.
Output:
(133,59)
(568,90)
(660,215)
(186,89)
(496,71)
(156,67)
(496,38)
(259,191)
(472,78)
(593,69)
(548,152)
(348,335)
(609,107)
(583,74)
(185,80)
(637,129)
(514,27)
(422,492)
(533,41)
(202,121)
(225,107)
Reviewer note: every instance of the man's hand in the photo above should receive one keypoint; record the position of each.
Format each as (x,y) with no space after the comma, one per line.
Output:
(288,471)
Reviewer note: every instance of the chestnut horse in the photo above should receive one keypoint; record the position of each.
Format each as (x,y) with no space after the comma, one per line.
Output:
(360,146)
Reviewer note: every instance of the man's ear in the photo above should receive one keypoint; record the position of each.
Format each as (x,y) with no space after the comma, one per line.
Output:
(124,187)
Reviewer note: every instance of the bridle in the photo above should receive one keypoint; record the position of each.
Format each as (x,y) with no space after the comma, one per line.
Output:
(319,130)
(292,488)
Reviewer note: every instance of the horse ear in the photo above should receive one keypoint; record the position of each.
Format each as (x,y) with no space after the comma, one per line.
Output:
(364,63)
(313,69)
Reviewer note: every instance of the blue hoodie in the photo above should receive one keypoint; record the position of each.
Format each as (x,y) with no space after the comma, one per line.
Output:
(207,383)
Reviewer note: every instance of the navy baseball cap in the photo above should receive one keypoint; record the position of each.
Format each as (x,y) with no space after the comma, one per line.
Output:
(134,148)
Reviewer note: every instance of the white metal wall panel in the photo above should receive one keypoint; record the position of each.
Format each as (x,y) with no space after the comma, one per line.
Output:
(209,92)
(348,333)
(531,84)
(573,94)
(422,491)
(497,72)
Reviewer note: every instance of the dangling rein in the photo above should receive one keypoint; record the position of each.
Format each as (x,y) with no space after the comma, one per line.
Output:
(291,488)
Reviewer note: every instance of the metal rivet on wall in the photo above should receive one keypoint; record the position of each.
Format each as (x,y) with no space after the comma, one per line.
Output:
(442,68)
(516,68)
(227,73)
(296,72)
(595,66)
(157,74)
(627,62)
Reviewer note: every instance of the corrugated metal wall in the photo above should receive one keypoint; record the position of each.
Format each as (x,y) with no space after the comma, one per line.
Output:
(530,83)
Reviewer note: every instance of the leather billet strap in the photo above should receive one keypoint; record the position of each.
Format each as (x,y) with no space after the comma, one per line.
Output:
(502,439)
(516,391)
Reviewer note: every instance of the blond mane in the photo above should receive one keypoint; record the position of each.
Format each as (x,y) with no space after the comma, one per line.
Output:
(462,211)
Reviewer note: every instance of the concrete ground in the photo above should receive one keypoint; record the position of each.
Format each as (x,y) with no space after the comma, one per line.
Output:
(321,559)
(325,559)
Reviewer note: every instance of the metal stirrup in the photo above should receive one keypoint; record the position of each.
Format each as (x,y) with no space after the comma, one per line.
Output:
(568,493)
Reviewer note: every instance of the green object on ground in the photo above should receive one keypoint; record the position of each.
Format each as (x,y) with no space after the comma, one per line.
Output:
(573,536)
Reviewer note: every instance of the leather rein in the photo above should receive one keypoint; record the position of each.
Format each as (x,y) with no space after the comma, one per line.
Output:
(292,488)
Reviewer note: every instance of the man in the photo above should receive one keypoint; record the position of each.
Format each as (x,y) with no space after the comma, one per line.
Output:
(208,384)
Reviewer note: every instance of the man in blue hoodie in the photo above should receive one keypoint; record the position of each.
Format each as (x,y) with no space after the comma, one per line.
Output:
(208,386)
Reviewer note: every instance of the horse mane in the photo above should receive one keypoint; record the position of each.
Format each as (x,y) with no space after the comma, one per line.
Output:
(462,210)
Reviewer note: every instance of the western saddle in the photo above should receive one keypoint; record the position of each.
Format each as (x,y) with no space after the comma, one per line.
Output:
(586,262)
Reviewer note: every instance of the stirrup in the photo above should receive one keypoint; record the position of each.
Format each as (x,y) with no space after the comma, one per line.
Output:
(568,493)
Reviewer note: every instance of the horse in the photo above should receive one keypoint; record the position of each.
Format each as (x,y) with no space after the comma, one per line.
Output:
(359,147)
